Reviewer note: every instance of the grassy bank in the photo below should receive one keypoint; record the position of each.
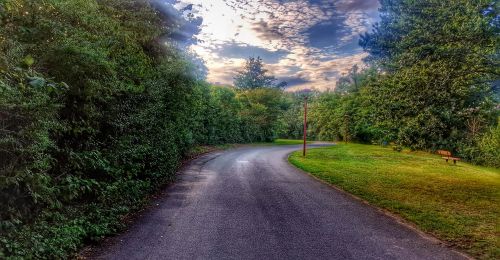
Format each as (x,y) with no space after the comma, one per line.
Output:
(281,142)
(288,141)
(459,204)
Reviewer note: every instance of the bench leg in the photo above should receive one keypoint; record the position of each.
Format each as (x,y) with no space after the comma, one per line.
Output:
(454,161)
(446,160)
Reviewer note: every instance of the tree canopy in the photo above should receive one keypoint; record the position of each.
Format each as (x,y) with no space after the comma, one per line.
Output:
(431,81)
(254,75)
(436,76)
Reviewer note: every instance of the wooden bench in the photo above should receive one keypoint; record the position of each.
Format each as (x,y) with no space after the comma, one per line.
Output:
(447,156)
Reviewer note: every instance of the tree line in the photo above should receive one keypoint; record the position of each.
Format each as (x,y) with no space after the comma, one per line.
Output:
(431,82)
(96,112)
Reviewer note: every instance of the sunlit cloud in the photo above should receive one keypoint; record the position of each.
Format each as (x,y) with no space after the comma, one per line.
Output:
(308,43)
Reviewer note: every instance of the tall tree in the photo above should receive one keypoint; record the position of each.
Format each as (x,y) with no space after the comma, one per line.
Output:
(260,110)
(439,59)
(254,75)
(354,80)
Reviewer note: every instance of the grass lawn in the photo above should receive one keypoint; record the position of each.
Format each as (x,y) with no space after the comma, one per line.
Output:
(288,141)
(459,204)
(281,142)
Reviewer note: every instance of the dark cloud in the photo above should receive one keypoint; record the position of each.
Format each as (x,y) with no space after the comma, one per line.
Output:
(361,5)
(339,34)
(332,25)
(295,81)
(234,50)
(187,27)
(186,33)
(327,33)
(267,32)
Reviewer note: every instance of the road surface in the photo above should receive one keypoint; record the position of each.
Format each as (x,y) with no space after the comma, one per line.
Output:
(249,203)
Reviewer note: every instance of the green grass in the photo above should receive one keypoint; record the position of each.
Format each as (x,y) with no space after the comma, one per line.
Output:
(459,204)
(281,142)
(288,142)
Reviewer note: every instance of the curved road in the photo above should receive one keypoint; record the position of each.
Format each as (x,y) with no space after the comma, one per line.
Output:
(249,203)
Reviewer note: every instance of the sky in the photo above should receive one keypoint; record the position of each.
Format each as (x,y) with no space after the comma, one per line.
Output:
(307,43)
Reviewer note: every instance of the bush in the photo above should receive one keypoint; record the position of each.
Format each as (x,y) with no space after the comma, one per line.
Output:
(485,150)
(95,114)
(27,114)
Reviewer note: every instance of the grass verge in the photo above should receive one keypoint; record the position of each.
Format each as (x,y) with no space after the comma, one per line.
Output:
(459,204)
(288,142)
(282,142)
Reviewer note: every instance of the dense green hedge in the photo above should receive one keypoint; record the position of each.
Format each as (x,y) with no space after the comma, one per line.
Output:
(96,112)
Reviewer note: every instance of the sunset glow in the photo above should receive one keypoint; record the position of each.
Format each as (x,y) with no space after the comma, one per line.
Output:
(308,43)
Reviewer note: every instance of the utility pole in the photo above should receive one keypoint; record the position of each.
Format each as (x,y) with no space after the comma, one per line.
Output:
(305,127)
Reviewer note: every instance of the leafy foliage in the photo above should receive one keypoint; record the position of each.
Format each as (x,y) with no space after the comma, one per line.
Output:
(260,112)
(430,85)
(255,76)
(438,75)
(96,113)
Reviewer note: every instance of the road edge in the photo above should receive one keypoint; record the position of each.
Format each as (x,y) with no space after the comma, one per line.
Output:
(91,251)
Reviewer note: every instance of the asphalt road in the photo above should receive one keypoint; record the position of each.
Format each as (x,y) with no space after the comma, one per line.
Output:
(249,203)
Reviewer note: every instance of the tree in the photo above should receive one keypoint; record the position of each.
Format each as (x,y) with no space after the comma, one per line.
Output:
(354,80)
(438,60)
(260,111)
(291,121)
(254,75)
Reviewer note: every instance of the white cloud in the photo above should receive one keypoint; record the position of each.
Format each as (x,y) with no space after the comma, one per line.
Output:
(273,26)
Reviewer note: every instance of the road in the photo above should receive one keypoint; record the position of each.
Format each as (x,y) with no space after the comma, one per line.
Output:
(249,203)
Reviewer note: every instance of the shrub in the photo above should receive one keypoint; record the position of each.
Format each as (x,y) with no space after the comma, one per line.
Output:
(28,106)
(486,148)
(95,114)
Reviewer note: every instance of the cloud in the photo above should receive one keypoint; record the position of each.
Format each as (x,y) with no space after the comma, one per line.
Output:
(266,32)
(294,81)
(358,5)
(326,34)
(235,50)
(186,27)
(309,43)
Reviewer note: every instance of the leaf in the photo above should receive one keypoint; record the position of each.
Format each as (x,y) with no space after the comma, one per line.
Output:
(29,61)
(37,82)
